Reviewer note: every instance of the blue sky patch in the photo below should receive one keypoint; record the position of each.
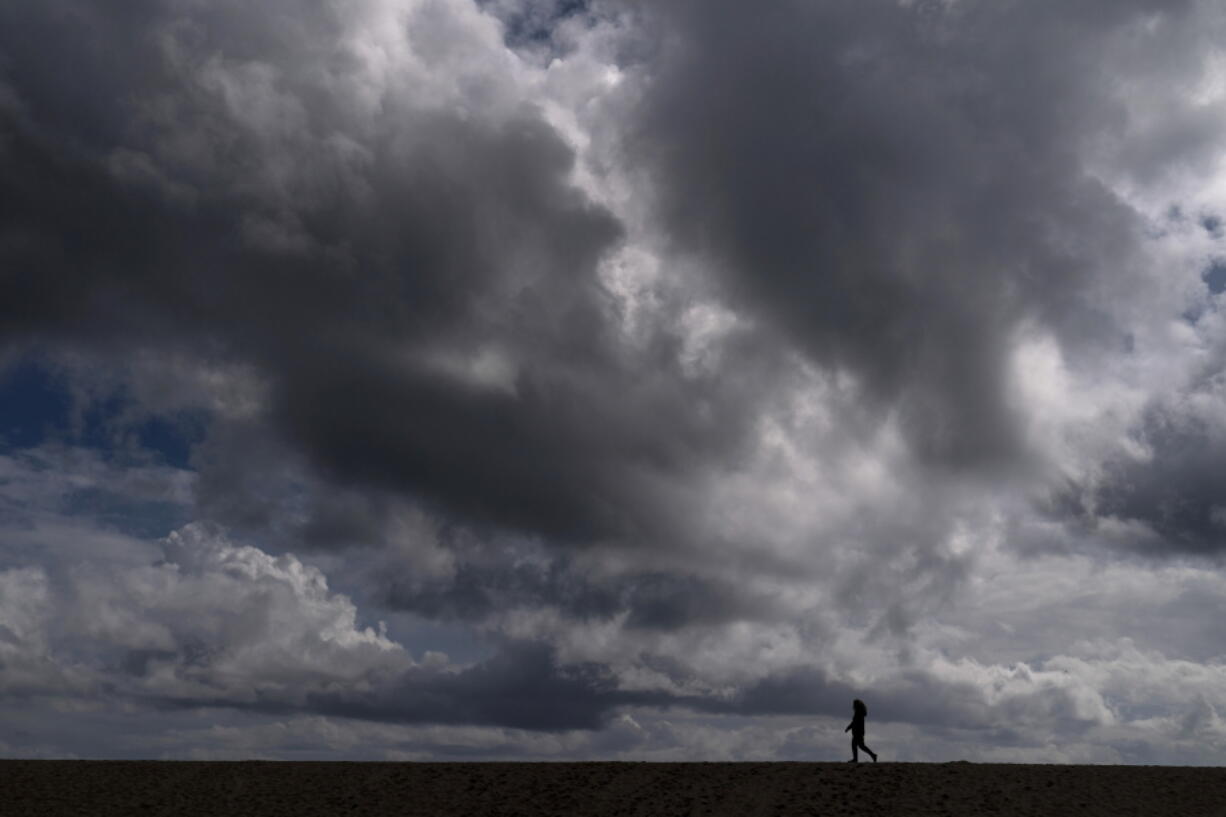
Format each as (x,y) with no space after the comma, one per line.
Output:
(36,406)
(1215,276)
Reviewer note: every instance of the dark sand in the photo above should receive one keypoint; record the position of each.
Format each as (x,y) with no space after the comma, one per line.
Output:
(99,788)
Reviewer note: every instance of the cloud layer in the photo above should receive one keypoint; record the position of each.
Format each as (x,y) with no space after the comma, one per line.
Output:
(660,377)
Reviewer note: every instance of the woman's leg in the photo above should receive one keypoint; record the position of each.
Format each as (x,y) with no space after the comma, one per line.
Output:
(863,746)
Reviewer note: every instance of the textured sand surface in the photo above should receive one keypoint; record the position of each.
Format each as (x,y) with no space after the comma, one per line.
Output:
(45,787)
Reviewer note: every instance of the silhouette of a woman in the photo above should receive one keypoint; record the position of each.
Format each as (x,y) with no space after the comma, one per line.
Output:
(856,727)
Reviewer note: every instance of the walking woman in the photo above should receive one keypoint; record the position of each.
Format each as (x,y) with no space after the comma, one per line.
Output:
(856,727)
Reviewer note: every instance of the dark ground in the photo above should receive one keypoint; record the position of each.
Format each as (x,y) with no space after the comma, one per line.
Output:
(99,788)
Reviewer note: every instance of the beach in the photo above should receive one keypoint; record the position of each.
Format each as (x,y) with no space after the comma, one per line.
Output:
(600,789)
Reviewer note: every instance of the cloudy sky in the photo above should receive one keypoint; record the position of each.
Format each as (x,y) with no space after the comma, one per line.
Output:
(550,379)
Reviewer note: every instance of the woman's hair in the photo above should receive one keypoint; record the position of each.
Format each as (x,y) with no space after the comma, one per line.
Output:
(860,708)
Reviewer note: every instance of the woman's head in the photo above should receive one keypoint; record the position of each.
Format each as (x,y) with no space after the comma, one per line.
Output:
(859,707)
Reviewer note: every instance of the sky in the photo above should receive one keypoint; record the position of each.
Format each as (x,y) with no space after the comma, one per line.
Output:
(566,380)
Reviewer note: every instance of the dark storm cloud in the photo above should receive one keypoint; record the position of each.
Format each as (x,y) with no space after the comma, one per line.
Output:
(261,487)
(521,687)
(899,186)
(651,600)
(476,592)
(1175,494)
(343,277)
(85,250)
(798,691)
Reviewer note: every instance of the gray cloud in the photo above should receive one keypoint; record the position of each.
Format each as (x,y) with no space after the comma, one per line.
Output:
(1170,497)
(897,186)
